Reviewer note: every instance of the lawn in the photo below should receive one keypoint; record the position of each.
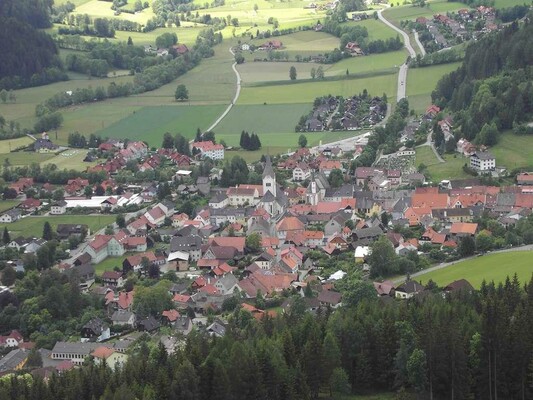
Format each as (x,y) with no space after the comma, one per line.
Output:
(70,159)
(24,158)
(377,30)
(422,81)
(451,169)
(151,123)
(33,226)
(375,62)
(306,92)
(424,155)
(492,267)
(7,204)
(513,151)
(110,263)
(6,146)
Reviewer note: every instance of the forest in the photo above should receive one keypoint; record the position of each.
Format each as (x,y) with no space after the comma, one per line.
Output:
(493,87)
(460,346)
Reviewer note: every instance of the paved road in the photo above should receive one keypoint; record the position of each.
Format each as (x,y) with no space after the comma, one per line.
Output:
(237,93)
(417,39)
(528,247)
(402,75)
(430,144)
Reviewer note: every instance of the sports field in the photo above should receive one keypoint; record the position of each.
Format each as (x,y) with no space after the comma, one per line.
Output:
(33,226)
(421,82)
(306,92)
(151,123)
(491,267)
(70,159)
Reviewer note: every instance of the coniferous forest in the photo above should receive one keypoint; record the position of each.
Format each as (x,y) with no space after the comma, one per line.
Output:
(462,346)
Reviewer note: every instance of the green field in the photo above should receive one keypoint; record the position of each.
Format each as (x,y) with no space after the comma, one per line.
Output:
(451,169)
(492,267)
(513,151)
(374,62)
(510,3)
(8,145)
(33,226)
(377,30)
(408,12)
(424,155)
(151,123)
(7,204)
(306,92)
(109,263)
(422,81)
(70,159)
(25,158)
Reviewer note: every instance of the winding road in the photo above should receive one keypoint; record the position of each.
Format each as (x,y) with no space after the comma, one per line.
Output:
(237,93)
(402,75)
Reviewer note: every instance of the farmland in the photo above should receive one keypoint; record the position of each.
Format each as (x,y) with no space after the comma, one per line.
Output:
(409,12)
(492,267)
(24,158)
(377,30)
(11,144)
(151,123)
(33,226)
(421,82)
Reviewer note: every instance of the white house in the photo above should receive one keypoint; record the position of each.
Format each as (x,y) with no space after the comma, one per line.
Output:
(482,161)
(301,172)
(59,207)
(10,216)
(209,149)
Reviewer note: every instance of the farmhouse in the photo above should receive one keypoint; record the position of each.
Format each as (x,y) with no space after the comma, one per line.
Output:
(482,161)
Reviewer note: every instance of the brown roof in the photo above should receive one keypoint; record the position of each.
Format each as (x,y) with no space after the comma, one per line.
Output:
(464,228)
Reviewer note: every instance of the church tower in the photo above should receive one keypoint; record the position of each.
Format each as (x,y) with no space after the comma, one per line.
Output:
(269,178)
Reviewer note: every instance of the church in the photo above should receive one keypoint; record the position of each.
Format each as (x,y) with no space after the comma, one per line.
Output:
(274,200)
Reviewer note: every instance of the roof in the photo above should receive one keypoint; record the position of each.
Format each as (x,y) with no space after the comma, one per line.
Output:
(483,155)
(102,352)
(121,316)
(330,297)
(384,288)
(410,287)
(267,170)
(461,284)
(171,315)
(463,228)
(290,224)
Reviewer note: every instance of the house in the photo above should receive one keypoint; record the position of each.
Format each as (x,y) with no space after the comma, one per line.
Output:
(44,146)
(183,325)
(111,357)
(191,244)
(461,285)
(361,252)
(95,330)
(385,288)
(524,178)
(123,318)
(148,324)
(64,231)
(209,150)
(463,229)
(301,172)
(217,329)
(112,278)
(432,111)
(10,216)
(228,284)
(58,207)
(30,205)
(482,161)
(85,274)
(220,200)
(13,361)
(408,290)
(14,339)
(169,317)
(329,298)
(180,49)
(73,351)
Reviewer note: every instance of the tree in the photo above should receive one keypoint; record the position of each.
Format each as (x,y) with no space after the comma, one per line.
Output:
(484,241)
(121,221)
(88,192)
(382,259)
(302,141)
(253,242)
(34,359)
(3,95)
(6,238)
(181,93)
(416,370)
(320,73)
(256,7)
(292,73)
(467,247)
(130,41)
(47,231)
(8,276)
(313,73)
(339,382)
(336,178)
(168,141)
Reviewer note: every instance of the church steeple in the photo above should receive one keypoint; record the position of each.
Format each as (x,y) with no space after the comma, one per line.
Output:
(269,178)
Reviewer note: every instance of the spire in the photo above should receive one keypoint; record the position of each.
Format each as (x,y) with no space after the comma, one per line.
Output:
(268,171)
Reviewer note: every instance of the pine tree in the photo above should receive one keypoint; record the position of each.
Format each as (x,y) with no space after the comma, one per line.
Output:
(6,238)
(47,231)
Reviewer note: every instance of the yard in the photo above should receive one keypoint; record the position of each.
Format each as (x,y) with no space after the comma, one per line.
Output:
(110,263)
(33,226)
(491,267)
(7,204)
(70,159)
(306,92)
(513,151)
(451,169)
(422,81)
(151,123)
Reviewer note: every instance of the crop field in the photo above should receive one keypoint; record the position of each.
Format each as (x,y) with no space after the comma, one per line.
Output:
(277,118)
(70,159)
(491,267)
(24,158)
(307,41)
(408,12)
(186,34)
(33,226)
(421,82)
(306,92)
(151,123)
(513,151)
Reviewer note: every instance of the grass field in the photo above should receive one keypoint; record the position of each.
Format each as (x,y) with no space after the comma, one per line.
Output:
(513,151)
(33,226)
(491,267)
(510,3)
(424,155)
(306,92)
(24,158)
(422,81)
(70,159)
(374,62)
(7,204)
(408,12)
(109,263)
(376,29)
(151,123)
(11,144)
(451,169)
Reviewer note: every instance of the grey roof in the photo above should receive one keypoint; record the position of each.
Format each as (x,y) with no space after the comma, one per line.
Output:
(219,197)
(227,281)
(267,170)
(182,324)
(12,360)
(149,324)
(121,316)
(96,325)
(217,329)
(345,191)
(185,243)
(483,155)
(268,197)
(82,270)
(75,347)
(410,287)
(367,232)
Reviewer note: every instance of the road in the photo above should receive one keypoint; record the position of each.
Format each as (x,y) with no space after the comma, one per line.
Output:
(402,75)
(528,247)
(234,101)
(420,46)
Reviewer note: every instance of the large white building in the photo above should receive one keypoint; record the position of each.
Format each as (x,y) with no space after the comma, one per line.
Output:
(482,161)
(209,149)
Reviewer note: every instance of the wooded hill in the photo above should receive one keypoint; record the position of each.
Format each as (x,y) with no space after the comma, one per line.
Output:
(493,87)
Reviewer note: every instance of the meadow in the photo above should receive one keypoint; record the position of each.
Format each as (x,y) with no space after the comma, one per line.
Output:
(421,82)
(409,12)
(377,30)
(33,226)
(151,123)
(70,159)
(110,263)
(513,151)
(8,145)
(306,92)
(24,158)
(491,267)
(451,169)
(7,204)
